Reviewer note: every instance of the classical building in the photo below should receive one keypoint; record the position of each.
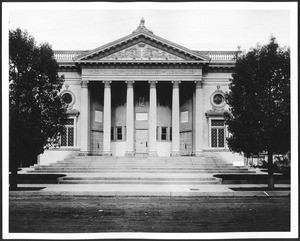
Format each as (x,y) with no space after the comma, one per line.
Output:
(143,95)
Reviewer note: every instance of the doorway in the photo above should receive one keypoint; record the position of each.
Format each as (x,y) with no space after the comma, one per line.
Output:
(141,141)
(186,146)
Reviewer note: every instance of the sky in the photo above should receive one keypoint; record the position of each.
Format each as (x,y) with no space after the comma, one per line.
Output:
(195,26)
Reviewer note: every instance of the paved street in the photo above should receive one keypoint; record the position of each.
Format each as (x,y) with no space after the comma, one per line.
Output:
(59,214)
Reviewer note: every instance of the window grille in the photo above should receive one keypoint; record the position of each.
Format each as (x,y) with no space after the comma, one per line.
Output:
(164,133)
(218,133)
(67,136)
(119,133)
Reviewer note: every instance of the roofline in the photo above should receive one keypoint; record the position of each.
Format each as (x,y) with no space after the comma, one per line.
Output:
(141,61)
(146,34)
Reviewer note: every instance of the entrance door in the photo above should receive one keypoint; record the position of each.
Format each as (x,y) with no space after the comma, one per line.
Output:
(186,147)
(96,142)
(141,141)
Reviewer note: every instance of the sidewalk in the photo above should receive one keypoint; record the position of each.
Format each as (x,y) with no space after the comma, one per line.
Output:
(232,190)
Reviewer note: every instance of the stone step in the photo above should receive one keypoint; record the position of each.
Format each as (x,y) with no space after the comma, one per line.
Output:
(138,166)
(141,178)
(114,169)
(158,182)
(143,161)
(60,170)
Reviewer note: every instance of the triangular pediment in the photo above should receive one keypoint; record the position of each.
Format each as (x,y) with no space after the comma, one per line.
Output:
(142,45)
(141,51)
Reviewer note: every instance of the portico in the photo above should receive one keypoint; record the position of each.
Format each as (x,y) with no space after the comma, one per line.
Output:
(141,118)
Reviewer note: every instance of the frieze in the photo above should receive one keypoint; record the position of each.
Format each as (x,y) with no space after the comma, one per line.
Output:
(127,54)
(103,72)
(157,54)
(142,51)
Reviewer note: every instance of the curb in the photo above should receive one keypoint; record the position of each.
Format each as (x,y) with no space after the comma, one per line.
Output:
(153,194)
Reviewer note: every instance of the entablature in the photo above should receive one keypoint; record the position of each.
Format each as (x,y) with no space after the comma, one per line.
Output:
(141,74)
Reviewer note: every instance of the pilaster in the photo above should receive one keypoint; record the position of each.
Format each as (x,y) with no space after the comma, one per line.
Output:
(152,151)
(84,119)
(107,119)
(130,119)
(175,120)
(198,118)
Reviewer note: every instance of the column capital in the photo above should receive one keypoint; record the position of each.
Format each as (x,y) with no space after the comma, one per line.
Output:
(176,83)
(106,83)
(199,84)
(129,83)
(152,83)
(84,84)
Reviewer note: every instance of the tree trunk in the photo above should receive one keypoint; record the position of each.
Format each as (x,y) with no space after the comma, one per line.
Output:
(270,171)
(13,180)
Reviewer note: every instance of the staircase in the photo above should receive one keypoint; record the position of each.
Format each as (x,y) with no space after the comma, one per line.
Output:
(138,170)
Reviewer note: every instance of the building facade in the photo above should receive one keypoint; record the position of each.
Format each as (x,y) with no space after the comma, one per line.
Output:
(143,95)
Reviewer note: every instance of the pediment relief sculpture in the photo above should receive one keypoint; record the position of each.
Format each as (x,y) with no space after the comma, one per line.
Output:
(142,52)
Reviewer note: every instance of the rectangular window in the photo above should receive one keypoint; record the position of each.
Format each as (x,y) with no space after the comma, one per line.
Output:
(119,133)
(67,136)
(170,133)
(112,134)
(164,133)
(218,133)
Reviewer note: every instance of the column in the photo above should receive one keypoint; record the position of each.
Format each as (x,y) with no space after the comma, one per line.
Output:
(152,150)
(129,120)
(198,119)
(84,119)
(175,120)
(107,119)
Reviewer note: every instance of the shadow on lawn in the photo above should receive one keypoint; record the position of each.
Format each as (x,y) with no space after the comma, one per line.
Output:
(260,189)
(279,178)
(38,178)
(28,189)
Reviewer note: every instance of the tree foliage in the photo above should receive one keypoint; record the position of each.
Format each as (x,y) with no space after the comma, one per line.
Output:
(259,101)
(35,107)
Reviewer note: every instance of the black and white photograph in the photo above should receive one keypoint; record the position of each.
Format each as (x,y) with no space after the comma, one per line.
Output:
(149,120)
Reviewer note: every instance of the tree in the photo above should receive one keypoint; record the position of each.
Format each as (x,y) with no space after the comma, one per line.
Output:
(35,107)
(259,101)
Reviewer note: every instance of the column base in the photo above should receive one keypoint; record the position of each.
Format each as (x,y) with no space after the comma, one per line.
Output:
(175,153)
(84,153)
(106,153)
(129,153)
(152,153)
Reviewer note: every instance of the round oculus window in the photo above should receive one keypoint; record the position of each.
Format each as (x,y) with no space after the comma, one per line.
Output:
(218,99)
(67,98)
